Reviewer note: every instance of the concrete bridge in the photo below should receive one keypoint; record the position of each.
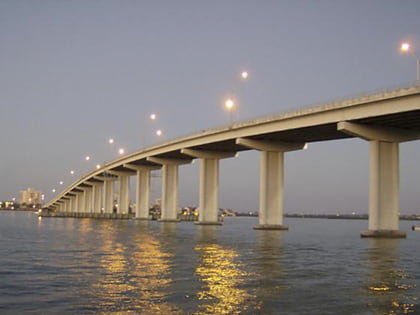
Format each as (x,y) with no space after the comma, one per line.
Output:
(384,119)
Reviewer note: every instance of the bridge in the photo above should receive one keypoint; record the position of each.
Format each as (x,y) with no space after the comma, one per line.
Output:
(383,119)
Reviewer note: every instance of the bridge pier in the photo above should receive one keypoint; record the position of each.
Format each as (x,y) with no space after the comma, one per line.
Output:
(142,194)
(142,190)
(88,199)
(108,195)
(169,198)
(271,191)
(209,192)
(271,180)
(383,176)
(123,198)
(77,202)
(383,190)
(71,204)
(97,197)
(209,184)
(66,204)
(123,194)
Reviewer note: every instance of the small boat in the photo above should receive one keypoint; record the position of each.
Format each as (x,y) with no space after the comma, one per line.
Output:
(415,228)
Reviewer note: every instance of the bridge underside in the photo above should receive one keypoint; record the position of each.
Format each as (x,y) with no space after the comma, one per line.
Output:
(273,141)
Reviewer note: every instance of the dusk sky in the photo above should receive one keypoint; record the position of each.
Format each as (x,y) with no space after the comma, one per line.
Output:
(75,73)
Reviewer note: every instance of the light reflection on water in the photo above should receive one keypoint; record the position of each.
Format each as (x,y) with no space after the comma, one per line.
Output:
(221,274)
(387,283)
(136,278)
(85,266)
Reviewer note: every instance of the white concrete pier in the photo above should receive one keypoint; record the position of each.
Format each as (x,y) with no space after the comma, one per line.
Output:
(383,177)
(271,180)
(123,200)
(209,183)
(142,190)
(169,197)
(109,191)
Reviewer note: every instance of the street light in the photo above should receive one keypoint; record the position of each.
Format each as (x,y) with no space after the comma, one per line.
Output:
(230,105)
(406,48)
(121,151)
(159,132)
(111,141)
(244,75)
(87,158)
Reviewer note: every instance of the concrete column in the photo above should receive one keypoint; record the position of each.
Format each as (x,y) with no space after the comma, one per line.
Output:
(142,194)
(82,201)
(383,187)
(209,191)
(67,205)
(77,202)
(209,183)
(71,204)
(123,193)
(108,196)
(271,190)
(384,176)
(123,198)
(88,200)
(96,197)
(169,198)
(60,207)
(271,180)
(142,189)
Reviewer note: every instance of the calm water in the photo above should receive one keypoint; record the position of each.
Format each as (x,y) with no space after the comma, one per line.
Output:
(86,266)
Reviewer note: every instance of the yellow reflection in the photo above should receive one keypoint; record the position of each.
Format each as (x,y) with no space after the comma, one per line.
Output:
(152,268)
(387,284)
(134,280)
(222,276)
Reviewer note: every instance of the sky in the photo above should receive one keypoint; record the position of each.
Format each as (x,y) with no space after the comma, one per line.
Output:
(74,74)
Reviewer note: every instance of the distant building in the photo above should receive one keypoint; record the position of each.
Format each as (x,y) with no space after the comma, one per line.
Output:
(30,197)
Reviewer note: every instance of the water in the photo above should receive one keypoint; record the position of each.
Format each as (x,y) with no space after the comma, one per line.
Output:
(87,266)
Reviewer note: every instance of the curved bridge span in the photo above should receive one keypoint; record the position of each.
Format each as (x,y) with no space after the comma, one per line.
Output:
(384,119)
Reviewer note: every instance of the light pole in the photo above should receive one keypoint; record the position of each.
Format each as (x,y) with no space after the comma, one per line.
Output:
(406,48)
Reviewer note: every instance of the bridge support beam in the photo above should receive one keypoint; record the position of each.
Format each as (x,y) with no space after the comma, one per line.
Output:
(71,204)
(383,177)
(271,180)
(383,190)
(209,184)
(66,204)
(97,197)
(88,200)
(123,199)
(81,204)
(77,202)
(108,195)
(169,198)
(60,206)
(123,194)
(142,190)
